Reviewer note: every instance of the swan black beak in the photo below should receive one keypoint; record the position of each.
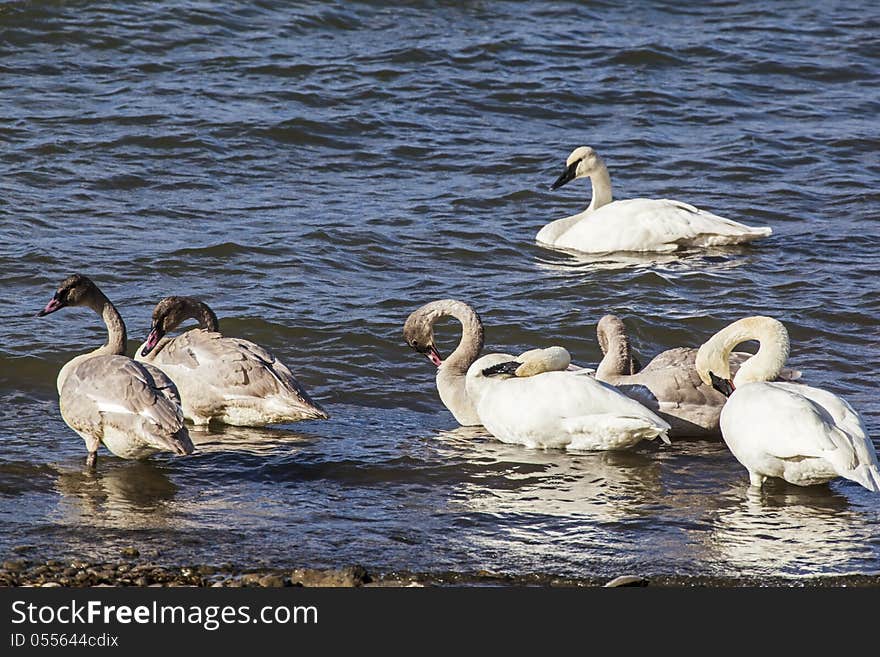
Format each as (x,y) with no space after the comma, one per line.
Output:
(724,386)
(510,367)
(567,176)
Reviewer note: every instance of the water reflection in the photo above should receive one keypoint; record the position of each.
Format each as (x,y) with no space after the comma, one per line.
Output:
(604,486)
(119,494)
(264,441)
(710,259)
(786,529)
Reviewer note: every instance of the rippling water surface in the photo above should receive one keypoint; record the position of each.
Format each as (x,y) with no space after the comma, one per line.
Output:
(316,172)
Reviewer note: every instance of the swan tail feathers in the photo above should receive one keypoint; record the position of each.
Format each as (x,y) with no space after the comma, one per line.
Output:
(616,427)
(868,476)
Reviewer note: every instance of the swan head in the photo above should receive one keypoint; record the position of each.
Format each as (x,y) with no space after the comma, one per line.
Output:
(712,364)
(531,363)
(75,290)
(582,163)
(713,357)
(171,312)
(418,331)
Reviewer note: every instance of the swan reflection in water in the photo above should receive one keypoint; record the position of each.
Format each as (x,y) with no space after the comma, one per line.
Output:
(714,260)
(605,486)
(265,441)
(128,494)
(792,530)
(550,510)
(120,494)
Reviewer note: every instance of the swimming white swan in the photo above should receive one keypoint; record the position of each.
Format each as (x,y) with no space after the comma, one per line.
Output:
(230,380)
(106,397)
(544,406)
(637,224)
(669,385)
(802,434)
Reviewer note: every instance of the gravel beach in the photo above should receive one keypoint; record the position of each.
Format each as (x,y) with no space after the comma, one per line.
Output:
(142,573)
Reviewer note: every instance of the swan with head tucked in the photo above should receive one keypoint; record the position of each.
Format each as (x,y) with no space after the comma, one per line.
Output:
(640,224)
(669,385)
(230,380)
(532,400)
(801,434)
(106,397)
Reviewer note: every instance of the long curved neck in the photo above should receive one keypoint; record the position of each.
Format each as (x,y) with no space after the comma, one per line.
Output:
(614,342)
(451,375)
(601,187)
(772,353)
(199,311)
(116,335)
(471,343)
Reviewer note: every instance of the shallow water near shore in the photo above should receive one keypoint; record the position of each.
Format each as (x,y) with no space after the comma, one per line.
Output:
(317,172)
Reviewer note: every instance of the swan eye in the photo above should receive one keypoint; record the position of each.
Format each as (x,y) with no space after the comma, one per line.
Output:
(415,345)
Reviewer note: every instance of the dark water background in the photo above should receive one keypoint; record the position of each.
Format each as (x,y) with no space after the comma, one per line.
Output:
(317,171)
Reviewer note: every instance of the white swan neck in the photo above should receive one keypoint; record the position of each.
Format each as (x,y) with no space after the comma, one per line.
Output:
(772,353)
(601,181)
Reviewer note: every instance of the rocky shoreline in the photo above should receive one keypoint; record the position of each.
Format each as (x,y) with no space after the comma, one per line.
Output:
(133,571)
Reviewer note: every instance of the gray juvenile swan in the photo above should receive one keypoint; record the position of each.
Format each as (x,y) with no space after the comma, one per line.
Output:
(230,380)
(106,397)
(669,385)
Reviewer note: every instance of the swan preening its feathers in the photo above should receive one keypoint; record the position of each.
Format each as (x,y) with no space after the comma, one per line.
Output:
(669,385)
(533,400)
(801,434)
(641,224)
(106,397)
(230,380)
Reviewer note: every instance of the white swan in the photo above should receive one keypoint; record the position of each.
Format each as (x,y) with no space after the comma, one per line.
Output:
(106,397)
(802,434)
(669,385)
(230,380)
(638,224)
(546,407)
